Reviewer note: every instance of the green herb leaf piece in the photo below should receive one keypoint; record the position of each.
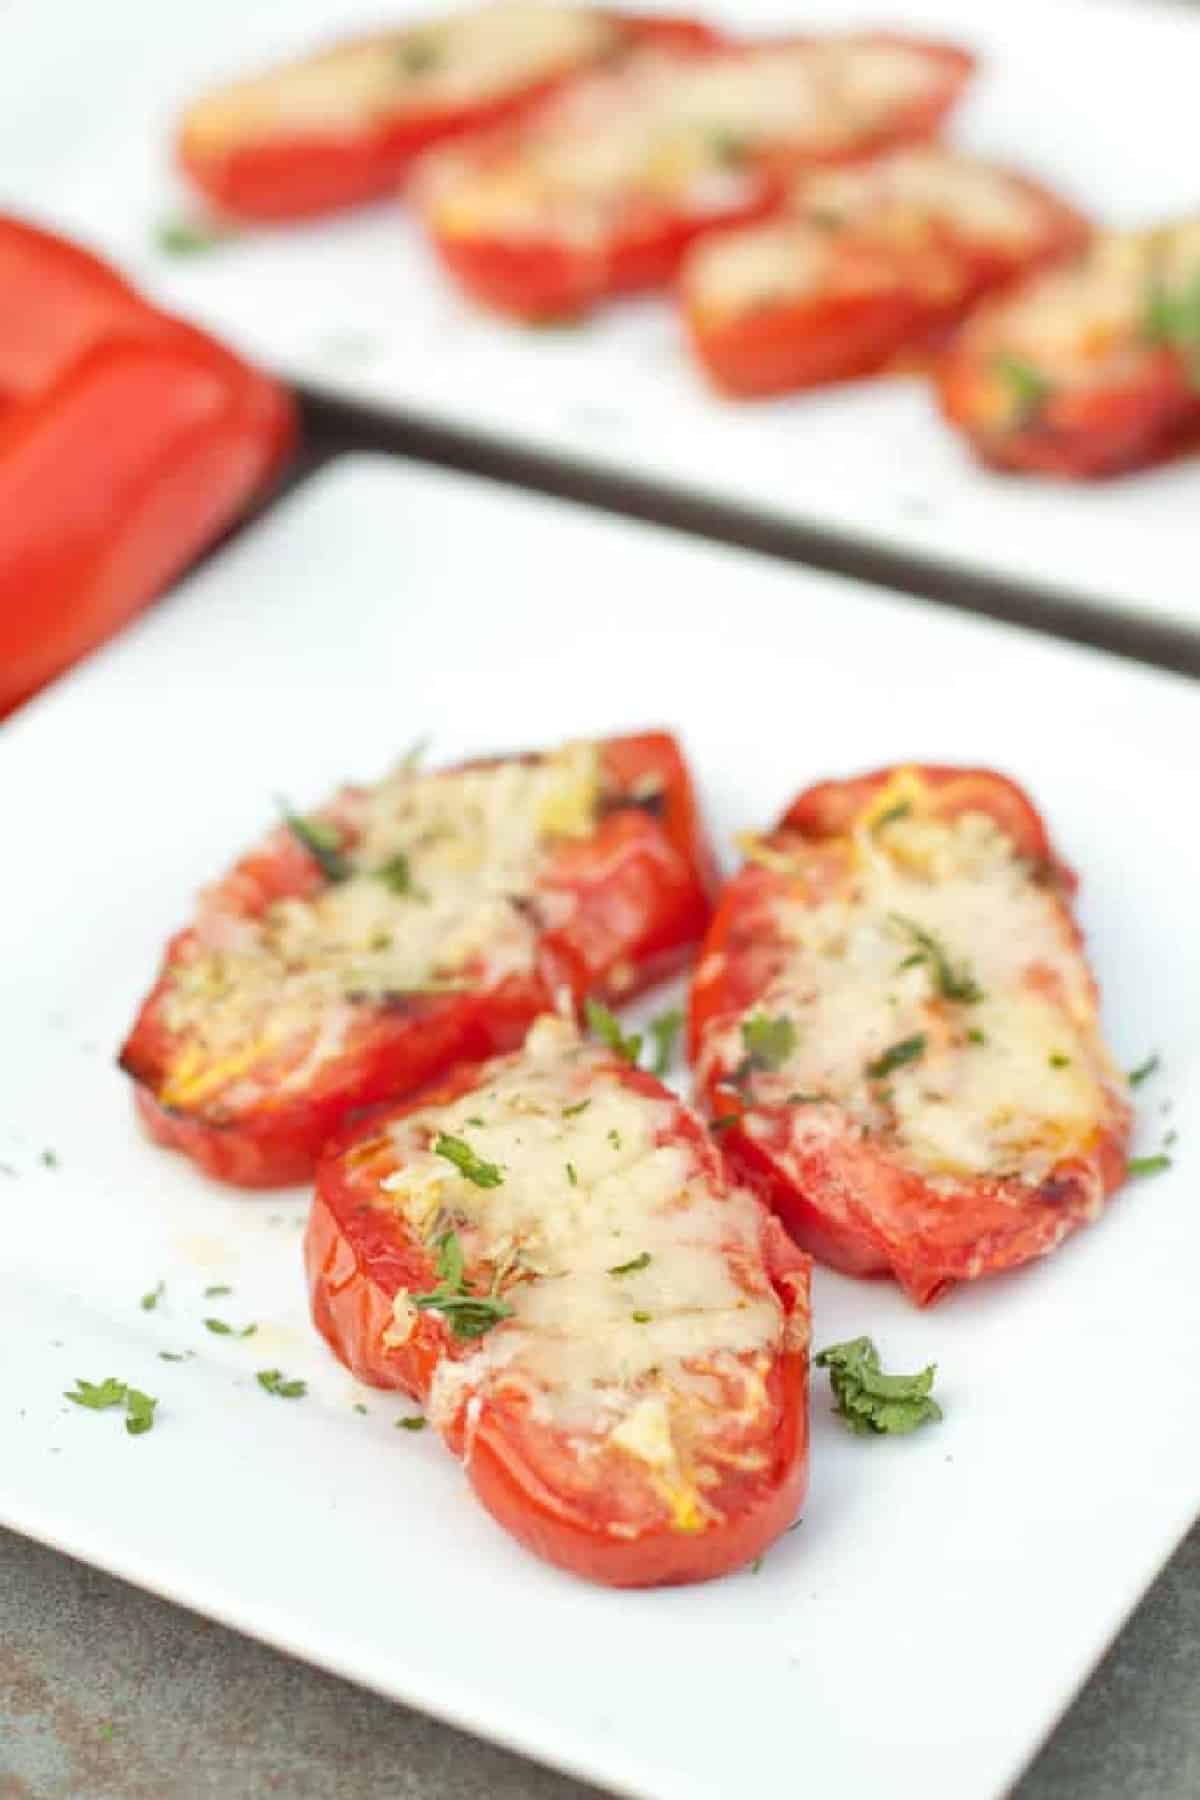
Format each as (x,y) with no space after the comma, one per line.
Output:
(665,1030)
(49,1159)
(1028,388)
(573,1112)
(1058,1060)
(188,237)
(632,1266)
(139,1411)
(218,1327)
(450,1260)
(870,1402)
(272,1381)
(322,841)
(1145,1070)
(953,982)
(396,875)
(456,1150)
(723,1121)
(217,1291)
(910,1049)
(149,1301)
(98,1395)
(641,1318)
(608,1030)
(418,56)
(468,1315)
(412,1422)
(1137,1166)
(572,1177)
(173,1355)
(900,810)
(767,1042)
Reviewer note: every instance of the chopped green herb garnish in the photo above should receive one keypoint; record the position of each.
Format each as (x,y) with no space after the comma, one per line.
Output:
(1146,1165)
(608,1030)
(951,982)
(867,1400)
(572,1177)
(798,1098)
(1028,388)
(98,1394)
(1172,318)
(901,810)
(322,841)
(456,1150)
(1145,1070)
(273,1382)
(476,1122)
(729,147)
(173,1355)
(1058,1060)
(50,1159)
(767,1042)
(451,1263)
(186,237)
(468,1315)
(975,1036)
(641,1318)
(217,1291)
(139,1411)
(756,1565)
(104,1731)
(418,56)
(572,1112)
(614,1137)
(910,1049)
(664,1030)
(218,1327)
(149,1301)
(396,874)
(632,1266)
(411,1422)
(359,1407)
(723,1121)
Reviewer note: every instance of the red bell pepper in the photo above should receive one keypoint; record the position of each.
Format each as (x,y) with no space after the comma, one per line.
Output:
(342,125)
(547,1254)
(447,912)
(128,441)
(1086,370)
(896,1032)
(602,190)
(864,264)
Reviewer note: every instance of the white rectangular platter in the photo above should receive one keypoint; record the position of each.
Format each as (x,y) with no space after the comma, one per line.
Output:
(945,1594)
(1097,96)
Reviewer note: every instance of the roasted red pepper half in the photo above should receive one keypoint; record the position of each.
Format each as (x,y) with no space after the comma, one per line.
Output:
(365,950)
(547,1252)
(896,1033)
(602,190)
(342,126)
(864,265)
(128,441)
(1088,370)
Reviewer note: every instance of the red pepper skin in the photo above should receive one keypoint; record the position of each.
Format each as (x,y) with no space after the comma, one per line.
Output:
(128,442)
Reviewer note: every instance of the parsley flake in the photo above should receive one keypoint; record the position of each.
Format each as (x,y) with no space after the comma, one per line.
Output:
(910,1049)
(723,1121)
(139,1411)
(614,1137)
(272,1381)
(1058,1060)
(573,1112)
(98,1395)
(412,1422)
(665,1030)
(467,1314)
(1028,388)
(900,810)
(322,841)
(870,1402)
(1137,1166)
(189,237)
(1145,1070)
(952,982)
(49,1159)
(767,1043)
(217,1290)
(456,1150)
(173,1355)
(221,1328)
(396,875)
(359,1407)
(572,1177)
(608,1030)
(149,1301)
(641,1318)
(418,56)
(632,1266)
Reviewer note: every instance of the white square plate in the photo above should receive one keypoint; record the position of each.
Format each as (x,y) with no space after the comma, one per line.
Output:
(946,1593)
(1097,96)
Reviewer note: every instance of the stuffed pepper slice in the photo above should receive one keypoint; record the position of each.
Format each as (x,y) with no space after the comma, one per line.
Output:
(1088,370)
(866,263)
(548,1253)
(601,191)
(896,1033)
(342,125)
(365,949)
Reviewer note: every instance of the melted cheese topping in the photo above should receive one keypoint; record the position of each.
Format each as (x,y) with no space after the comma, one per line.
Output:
(891,202)
(473,844)
(1090,320)
(679,130)
(466,59)
(1008,1083)
(586,1189)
